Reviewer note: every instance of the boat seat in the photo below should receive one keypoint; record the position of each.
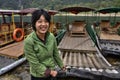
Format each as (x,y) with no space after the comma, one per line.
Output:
(111,29)
(116,26)
(104,24)
(4,27)
(78,29)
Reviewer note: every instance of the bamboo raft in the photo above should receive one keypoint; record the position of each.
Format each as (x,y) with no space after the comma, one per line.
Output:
(14,50)
(10,56)
(108,38)
(81,54)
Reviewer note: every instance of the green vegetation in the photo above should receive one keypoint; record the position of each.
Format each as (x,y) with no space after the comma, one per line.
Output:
(57,4)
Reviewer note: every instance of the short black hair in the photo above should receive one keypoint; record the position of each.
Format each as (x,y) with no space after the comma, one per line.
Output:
(37,14)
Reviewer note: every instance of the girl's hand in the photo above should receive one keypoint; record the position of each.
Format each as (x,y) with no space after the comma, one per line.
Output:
(64,68)
(53,73)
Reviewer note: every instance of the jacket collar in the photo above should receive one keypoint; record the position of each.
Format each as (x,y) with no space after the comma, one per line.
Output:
(35,37)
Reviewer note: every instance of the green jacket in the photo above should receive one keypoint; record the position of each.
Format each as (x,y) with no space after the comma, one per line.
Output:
(41,56)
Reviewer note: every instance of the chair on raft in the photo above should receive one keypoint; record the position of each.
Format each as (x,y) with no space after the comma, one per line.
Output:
(78,28)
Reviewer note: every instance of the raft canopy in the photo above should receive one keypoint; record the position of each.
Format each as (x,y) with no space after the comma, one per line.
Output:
(76,10)
(23,12)
(108,10)
(52,12)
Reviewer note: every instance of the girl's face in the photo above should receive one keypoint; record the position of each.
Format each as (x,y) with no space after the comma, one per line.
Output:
(42,25)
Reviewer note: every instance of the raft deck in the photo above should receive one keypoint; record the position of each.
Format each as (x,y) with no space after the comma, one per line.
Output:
(79,52)
(107,36)
(14,50)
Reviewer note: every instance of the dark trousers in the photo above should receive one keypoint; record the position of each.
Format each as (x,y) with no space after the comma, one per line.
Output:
(42,78)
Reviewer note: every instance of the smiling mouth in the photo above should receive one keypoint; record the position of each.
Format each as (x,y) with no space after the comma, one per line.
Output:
(43,29)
